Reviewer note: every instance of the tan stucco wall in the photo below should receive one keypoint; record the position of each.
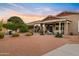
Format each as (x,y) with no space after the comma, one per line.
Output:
(73,26)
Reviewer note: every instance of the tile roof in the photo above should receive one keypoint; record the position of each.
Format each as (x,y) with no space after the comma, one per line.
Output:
(66,13)
(50,17)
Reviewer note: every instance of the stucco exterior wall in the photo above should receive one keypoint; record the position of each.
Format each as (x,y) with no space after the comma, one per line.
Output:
(73,26)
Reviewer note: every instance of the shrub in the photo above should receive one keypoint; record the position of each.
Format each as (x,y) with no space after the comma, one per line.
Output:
(41,32)
(31,31)
(71,33)
(10,25)
(1,24)
(1,35)
(15,35)
(59,35)
(29,34)
(30,26)
(23,28)
(0,29)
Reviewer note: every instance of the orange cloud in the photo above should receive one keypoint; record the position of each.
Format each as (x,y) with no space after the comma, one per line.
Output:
(26,17)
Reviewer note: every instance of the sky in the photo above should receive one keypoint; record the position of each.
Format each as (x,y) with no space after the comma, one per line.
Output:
(34,11)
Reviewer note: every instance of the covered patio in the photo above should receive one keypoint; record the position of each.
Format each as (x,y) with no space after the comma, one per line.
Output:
(53,26)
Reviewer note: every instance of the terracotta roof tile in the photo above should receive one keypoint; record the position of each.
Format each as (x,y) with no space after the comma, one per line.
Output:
(66,13)
(50,17)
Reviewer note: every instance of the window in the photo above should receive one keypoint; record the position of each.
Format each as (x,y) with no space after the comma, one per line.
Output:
(57,28)
(57,23)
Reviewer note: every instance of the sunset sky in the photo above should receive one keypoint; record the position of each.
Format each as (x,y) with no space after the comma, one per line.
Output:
(34,11)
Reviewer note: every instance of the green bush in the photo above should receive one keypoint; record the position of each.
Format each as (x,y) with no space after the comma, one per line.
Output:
(15,35)
(0,29)
(59,35)
(23,28)
(1,35)
(1,25)
(30,26)
(10,25)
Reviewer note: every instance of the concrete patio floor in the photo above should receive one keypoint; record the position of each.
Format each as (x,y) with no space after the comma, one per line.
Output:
(66,50)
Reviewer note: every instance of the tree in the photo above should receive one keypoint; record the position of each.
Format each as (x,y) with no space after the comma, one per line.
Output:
(15,19)
(23,28)
(15,23)
(10,25)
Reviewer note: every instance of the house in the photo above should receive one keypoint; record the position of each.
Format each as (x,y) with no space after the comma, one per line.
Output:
(65,23)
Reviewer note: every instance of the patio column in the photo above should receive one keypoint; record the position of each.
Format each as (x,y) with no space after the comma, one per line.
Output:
(66,28)
(59,27)
(44,28)
(41,28)
(33,28)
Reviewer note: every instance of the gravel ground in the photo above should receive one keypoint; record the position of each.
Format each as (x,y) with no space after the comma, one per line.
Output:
(35,45)
(29,45)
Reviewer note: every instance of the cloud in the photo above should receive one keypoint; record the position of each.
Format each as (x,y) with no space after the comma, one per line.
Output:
(28,15)
(16,6)
(45,11)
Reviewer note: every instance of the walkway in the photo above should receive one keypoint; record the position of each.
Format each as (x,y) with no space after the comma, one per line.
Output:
(66,50)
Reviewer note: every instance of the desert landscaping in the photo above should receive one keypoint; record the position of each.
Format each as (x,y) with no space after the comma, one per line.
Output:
(37,29)
(21,40)
(35,45)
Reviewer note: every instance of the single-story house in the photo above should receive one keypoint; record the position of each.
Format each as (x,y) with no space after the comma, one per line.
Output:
(65,23)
